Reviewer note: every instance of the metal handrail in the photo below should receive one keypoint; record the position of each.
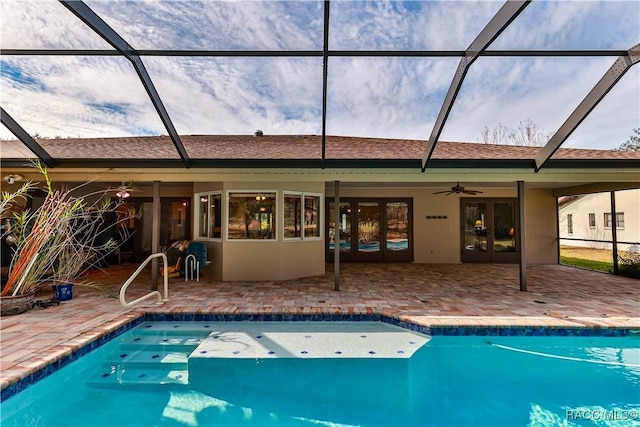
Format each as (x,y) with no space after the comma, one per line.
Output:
(123,290)
(189,264)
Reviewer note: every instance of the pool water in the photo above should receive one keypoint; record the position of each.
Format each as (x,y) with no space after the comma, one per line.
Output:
(335,374)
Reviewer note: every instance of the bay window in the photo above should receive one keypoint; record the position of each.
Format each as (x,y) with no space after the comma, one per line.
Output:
(209,215)
(252,215)
(301,215)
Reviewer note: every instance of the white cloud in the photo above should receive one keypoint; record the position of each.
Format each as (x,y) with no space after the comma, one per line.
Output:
(610,124)
(44,24)
(152,24)
(73,96)
(510,90)
(386,97)
(428,25)
(239,95)
(608,24)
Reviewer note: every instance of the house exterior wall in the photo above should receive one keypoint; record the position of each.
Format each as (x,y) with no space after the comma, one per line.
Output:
(627,202)
(541,226)
(435,240)
(278,259)
(438,240)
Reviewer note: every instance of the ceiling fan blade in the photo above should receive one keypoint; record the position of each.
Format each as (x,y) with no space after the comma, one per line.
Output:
(442,192)
(472,192)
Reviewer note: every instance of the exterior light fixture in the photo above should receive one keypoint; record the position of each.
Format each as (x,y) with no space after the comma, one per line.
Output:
(13,177)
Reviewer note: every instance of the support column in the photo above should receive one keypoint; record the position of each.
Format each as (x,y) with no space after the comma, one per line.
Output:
(336,237)
(155,235)
(614,232)
(521,236)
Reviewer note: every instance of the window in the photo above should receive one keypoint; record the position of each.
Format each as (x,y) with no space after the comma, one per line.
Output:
(311,215)
(592,220)
(301,215)
(209,215)
(252,215)
(619,220)
(570,223)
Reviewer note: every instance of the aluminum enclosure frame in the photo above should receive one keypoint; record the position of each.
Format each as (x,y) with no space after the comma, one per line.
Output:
(503,18)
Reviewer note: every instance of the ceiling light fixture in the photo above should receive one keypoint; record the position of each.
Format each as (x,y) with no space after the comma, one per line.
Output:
(123,191)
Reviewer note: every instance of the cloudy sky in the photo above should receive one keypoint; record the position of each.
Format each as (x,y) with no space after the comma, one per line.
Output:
(93,96)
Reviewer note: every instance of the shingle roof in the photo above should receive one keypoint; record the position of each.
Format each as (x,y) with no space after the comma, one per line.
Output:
(294,147)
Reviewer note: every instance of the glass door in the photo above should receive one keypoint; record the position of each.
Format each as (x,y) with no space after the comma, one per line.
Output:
(488,230)
(342,229)
(504,230)
(368,215)
(175,220)
(474,232)
(397,232)
(371,230)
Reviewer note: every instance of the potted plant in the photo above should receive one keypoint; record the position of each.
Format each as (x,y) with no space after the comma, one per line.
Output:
(57,242)
(13,304)
(83,248)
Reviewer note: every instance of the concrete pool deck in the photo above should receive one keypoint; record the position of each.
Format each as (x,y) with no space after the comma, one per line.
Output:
(431,295)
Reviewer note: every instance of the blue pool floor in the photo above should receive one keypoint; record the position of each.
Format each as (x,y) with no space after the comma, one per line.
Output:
(146,377)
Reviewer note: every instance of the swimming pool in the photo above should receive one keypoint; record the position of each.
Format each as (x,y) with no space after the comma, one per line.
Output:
(336,373)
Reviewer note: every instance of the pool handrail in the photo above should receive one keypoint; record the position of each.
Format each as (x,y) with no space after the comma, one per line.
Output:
(161,300)
(189,264)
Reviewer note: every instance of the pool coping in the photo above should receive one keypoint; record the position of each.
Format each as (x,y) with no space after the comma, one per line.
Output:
(421,324)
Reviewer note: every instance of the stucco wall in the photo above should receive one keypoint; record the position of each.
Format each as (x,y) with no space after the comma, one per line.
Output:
(435,240)
(238,260)
(438,240)
(540,222)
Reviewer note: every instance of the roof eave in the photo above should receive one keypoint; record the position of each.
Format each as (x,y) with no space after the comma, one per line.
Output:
(334,163)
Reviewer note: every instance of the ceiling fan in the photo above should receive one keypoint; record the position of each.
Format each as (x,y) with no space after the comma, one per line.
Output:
(124,191)
(457,189)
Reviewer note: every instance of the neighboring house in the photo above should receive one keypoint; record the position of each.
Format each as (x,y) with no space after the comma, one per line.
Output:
(264,204)
(589,217)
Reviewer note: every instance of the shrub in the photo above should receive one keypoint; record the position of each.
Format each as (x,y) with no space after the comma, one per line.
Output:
(629,267)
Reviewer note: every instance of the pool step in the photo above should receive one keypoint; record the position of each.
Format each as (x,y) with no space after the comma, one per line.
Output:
(121,376)
(169,328)
(168,343)
(154,356)
(146,358)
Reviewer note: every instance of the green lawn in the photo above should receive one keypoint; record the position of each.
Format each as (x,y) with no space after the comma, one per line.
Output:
(607,267)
